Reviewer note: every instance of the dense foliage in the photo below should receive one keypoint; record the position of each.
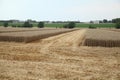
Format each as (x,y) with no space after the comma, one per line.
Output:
(117,21)
(41,24)
(70,25)
(27,24)
(118,25)
(5,24)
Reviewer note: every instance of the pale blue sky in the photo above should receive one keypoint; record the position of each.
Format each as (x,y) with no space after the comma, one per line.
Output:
(56,10)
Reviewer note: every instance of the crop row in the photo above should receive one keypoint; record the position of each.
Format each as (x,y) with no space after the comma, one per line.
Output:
(104,38)
(9,29)
(31,35)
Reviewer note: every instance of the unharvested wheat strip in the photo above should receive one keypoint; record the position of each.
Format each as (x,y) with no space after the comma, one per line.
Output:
(8,30)
(32,35)
(102,38)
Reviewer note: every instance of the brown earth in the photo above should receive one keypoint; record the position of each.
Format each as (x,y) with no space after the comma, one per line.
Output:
(59,57)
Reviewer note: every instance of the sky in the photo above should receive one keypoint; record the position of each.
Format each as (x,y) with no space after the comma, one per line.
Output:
(59,10)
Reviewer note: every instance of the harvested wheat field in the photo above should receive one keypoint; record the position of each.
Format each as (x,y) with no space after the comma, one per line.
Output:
(60,57)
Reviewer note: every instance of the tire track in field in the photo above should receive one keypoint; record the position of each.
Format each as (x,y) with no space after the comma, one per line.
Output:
(60,58)
(42,50)
(71,39)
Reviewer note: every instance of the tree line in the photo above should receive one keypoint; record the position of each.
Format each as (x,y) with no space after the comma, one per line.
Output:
(70,24)
(117,21)
(27,24)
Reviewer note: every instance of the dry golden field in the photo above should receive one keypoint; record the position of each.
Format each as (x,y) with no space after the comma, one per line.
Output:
(28,34)
(11,29)
(60,57)
(104,38)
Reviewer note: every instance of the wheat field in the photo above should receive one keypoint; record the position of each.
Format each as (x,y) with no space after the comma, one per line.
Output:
(11,29)
(104,38)
(59,57)
(28,35)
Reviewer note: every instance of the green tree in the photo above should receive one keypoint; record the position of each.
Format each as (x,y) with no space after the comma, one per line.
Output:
(71,25)
(27,25)
(117,25)
(41,24)
(65,26)
(105,21)
(5,24)
(91,22)
(117,20)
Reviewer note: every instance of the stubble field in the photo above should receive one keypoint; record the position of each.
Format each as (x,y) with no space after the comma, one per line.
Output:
(60,57)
